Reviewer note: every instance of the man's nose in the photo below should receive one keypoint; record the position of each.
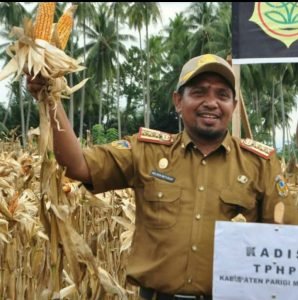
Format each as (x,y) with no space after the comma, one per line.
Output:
(210,99)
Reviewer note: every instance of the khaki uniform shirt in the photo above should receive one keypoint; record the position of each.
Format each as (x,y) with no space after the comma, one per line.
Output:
(180,193)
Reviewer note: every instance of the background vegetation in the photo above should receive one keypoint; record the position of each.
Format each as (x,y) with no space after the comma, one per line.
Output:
(132,77)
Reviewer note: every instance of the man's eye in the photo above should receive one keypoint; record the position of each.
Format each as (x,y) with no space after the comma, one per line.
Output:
(199,91)
(224,94)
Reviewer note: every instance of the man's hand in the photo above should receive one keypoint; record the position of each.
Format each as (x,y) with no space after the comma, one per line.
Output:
(37,85)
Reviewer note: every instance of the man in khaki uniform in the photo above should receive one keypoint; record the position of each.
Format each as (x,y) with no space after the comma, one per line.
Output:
(184,182)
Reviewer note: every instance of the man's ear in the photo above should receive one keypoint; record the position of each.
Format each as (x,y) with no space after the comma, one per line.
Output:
(177,98)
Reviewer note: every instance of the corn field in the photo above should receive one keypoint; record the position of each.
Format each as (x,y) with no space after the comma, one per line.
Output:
(57,240)
(64,242)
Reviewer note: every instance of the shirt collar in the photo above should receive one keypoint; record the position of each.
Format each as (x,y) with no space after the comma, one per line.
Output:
(186,142)
(227,143)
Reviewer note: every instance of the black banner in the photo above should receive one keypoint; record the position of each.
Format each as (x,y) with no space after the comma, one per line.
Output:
(264,32)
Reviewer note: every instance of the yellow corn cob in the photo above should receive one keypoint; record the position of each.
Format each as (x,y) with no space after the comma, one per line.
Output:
(44,20)
(64,26)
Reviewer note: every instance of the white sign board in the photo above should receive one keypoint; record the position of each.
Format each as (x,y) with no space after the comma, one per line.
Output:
(254,261)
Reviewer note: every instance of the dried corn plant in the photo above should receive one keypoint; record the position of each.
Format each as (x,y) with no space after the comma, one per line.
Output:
(19,222)
(73,248)
(39,50)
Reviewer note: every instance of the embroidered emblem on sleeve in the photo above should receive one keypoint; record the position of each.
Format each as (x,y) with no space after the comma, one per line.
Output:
(257,148)
(155,136)
(281,186)
(121,144)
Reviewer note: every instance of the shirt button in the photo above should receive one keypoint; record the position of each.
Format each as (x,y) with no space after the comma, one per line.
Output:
(189,280)
(194,248)
(198,217)
(201,188)
(204,162)
(160,195)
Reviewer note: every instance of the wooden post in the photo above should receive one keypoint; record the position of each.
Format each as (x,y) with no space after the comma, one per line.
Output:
(240,110)
(244,119)
(236,120)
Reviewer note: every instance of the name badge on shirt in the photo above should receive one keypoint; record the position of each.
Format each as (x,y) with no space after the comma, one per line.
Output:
(162,176)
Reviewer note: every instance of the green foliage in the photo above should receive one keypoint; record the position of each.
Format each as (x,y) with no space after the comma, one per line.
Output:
(102,136)
(203,27)
(289,152)
(111,134)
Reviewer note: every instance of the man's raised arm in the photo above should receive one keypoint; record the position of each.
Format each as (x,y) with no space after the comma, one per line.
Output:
(67,149)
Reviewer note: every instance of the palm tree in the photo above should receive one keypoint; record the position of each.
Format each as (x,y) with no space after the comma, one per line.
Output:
(201,16)
(3,56)
(60,7)
(136,21)
(152,14)
(178,35)
(139,14)
(12,14)
(118,10)
(219,32)
(157,65)
(132,90)
(85,13)
(102,51)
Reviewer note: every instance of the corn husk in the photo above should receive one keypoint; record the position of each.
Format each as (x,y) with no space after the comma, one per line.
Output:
(35,56)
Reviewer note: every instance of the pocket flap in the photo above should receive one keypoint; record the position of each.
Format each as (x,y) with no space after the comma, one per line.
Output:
(240,197)
(161,192)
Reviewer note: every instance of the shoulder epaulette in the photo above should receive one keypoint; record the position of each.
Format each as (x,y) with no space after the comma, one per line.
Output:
(155,136)
(257,148)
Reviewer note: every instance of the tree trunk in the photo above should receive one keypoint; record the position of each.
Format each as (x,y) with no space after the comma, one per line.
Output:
(283,117)
(273,115)
(71,108)
(101,85)
(297,134)
(143,77)
(148,79)
(100,103)
(118,83)
(7,112)
(110,89)
(83,88)
(21,103)
(28,115)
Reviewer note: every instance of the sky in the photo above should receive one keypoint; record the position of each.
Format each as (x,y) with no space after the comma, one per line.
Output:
(168,11)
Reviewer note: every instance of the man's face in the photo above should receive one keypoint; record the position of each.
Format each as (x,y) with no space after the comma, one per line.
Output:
(206,106)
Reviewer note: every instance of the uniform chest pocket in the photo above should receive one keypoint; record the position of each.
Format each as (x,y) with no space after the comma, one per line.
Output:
(161,205)
(235,200)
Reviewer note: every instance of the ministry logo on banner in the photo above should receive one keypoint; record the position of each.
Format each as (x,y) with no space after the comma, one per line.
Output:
(265,32)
